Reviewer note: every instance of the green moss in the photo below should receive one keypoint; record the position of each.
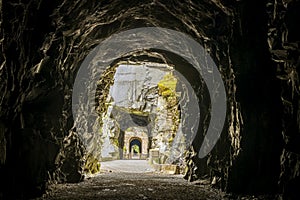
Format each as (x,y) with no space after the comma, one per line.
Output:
(167,86)
(132,111)
(92,165)
(167,90)
(116,142)
(137,112)
(171,139)
(102,91)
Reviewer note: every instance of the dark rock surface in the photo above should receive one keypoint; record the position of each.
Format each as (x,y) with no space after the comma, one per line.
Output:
(284,45)
(255,44)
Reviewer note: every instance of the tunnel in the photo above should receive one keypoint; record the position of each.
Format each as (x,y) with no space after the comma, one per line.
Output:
(254,45)
(136,142)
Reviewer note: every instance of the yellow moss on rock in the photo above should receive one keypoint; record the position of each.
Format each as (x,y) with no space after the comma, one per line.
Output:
(167,90)
(115,141)
(92,165)
(167,86)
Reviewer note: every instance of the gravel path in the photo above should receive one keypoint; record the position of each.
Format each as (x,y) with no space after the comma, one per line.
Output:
(128,166)
(135,179)
(114,185)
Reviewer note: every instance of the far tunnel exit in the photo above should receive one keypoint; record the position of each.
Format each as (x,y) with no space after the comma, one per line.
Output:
(135,147)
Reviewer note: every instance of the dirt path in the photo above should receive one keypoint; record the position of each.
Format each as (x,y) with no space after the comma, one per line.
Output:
(128,166)
(135,179)
(119,186)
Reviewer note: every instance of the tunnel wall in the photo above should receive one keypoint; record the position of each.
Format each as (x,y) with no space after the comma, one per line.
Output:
(284,41)
(254,44)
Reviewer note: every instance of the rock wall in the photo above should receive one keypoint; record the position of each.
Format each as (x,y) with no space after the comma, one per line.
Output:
(284,41)
(255,44)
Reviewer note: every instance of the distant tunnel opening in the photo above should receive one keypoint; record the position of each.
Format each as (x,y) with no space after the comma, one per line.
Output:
(131,102)
(135,146)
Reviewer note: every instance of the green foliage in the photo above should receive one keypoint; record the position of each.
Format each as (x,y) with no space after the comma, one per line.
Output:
(136,148)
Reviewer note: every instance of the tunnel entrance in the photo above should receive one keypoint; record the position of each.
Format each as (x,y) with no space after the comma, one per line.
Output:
(145,93)
(135,147)
(142,112)
(136,136)
(142,106)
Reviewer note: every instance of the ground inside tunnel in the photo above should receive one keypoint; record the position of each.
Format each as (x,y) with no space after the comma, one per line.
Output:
(132,179)
(116,185)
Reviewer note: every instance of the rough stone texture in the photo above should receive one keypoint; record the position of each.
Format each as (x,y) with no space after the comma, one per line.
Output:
(257,116)
(69,162)
(284,44)
(133,84)
(255,44)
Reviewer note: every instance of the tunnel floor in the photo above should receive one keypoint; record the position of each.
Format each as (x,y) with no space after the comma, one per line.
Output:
(121,185)
(127,166)
(150,185)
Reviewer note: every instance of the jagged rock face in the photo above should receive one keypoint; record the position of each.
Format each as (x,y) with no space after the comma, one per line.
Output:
(255,45)
(283,40)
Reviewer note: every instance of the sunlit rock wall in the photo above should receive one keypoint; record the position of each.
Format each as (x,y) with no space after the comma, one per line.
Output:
(145,91)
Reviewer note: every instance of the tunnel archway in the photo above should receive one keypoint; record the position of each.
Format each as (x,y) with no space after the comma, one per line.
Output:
(135,146)
(213,81)
(160,117)
(38,73)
